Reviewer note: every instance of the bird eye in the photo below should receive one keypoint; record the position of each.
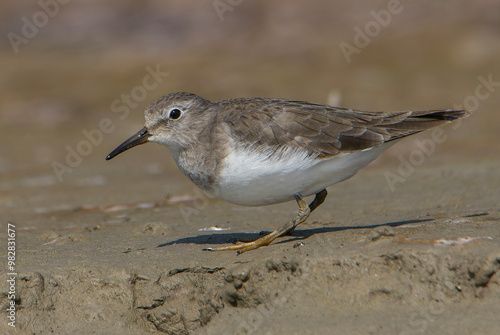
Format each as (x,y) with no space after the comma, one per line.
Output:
(175,114)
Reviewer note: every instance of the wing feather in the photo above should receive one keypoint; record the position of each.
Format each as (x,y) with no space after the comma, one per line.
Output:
(322,130)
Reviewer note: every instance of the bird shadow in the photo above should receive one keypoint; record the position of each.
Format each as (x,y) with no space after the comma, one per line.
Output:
(225,238)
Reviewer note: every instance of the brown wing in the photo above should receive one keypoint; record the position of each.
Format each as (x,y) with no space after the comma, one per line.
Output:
(324,130)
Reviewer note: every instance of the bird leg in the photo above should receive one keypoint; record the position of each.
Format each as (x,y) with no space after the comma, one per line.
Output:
(304,212)
(318,200)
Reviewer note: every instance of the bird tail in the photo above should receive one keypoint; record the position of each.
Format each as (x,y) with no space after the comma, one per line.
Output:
(418,121)
(447,115)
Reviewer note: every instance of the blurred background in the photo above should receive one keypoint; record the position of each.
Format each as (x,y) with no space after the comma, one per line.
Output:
(66,66)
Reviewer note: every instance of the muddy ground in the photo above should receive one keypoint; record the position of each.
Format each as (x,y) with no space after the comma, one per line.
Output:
(410,245)
(424,258)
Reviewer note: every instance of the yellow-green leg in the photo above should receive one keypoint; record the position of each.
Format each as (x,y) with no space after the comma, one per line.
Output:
(304,212)
(318,200)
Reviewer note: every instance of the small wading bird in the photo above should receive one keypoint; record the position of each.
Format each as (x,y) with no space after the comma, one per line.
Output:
(258,151)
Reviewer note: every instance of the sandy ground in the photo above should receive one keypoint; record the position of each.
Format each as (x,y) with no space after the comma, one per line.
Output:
(422,259)
(410,245)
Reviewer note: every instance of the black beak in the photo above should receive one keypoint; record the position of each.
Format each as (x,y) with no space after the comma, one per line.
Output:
(138,138)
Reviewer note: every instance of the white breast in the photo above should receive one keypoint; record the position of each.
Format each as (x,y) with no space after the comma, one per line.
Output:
(256,178)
